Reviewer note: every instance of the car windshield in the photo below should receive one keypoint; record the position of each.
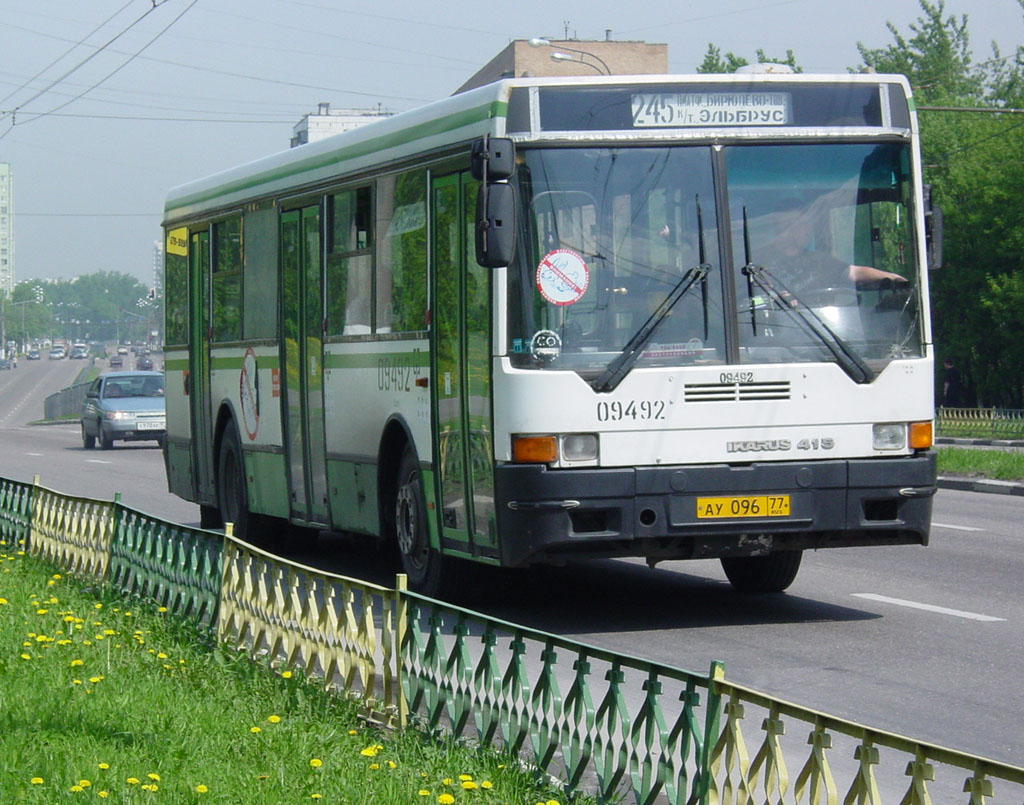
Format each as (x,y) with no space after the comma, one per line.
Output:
(780,253)
(128,386)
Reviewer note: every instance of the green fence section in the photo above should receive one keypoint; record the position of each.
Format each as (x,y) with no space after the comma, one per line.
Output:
(598,720)
(622,721)
(15,512)
(175,566)
(980,423)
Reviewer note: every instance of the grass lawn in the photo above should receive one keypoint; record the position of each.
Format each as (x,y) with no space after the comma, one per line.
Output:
(102,699)
(1001,465)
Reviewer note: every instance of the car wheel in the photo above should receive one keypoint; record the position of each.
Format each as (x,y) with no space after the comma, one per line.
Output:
(106,440)
(88,440)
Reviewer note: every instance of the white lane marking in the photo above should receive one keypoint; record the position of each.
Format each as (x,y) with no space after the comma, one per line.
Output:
(97,461)
(957,527)
(959,613)
(34,454)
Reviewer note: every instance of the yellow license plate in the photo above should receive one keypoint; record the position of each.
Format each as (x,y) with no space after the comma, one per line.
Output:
(743,506)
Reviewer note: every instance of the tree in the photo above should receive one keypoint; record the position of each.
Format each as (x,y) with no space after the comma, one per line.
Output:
(975,162)
(715,62)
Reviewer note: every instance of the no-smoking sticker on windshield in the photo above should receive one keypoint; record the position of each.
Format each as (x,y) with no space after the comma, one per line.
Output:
(562,277)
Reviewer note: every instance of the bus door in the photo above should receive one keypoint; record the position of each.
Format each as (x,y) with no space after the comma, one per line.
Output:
(461,386)
(199,368)
(301,338)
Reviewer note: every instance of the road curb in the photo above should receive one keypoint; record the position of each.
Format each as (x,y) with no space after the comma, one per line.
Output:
(982,485)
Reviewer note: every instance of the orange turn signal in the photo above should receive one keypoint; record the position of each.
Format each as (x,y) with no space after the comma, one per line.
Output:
(534,449)
(920,435)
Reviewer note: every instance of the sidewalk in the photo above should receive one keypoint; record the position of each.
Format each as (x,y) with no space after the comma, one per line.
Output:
(981,484)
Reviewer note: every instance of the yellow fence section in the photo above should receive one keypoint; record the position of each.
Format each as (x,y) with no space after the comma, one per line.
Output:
(880,767)
(340,629)
(73,533)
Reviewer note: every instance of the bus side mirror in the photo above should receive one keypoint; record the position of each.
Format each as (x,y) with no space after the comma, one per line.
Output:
(495,225)
(492,158)
(932,229)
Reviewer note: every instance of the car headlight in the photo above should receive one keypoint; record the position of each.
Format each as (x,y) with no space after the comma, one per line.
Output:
(889,436)
(118,415)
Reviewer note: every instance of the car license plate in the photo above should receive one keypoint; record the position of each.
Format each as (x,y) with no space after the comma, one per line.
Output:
(158,425)
(743,506)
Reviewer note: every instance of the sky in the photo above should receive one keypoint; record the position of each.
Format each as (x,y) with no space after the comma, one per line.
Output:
(117,101)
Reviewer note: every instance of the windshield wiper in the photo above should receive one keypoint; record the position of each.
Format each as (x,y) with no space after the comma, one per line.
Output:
(845,355)
(619,368)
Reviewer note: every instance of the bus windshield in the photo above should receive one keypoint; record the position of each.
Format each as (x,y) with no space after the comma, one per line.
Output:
(809,246)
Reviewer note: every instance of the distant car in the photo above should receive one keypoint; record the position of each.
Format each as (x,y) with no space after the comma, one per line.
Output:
(79,352)
(143,363)
(116,360)
(33,355)
(5,363)
(57,353)
(124,406)
(122,350)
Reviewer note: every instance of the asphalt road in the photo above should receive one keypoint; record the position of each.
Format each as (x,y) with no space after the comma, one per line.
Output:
(923,641)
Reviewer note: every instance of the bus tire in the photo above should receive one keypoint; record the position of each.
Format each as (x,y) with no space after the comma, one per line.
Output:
(772,573)
(232,495)
(421,563)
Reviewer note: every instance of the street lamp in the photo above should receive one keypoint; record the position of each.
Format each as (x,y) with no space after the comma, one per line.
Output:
(558,56)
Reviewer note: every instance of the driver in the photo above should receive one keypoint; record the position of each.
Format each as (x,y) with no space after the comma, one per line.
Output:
(800,256)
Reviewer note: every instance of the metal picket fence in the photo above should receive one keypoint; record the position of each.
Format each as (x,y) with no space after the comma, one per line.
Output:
(596,719)
(980,423)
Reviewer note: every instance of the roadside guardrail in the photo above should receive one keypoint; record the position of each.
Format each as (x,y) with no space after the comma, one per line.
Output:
(623,726)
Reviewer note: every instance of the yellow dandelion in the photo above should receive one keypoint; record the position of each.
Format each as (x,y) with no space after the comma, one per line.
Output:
(353,732)
(445,799)
(76,663)
(154,777)
(274,719)
(104,766)
(286,675)
(392,764)
(161,656)
(132,781)
(374,766)
(36,781)
(3,601)
(465,777)
(164,609)
(201,789)
(95,679)
(316,796)
(26,656)
(77,789)
(487,784)
(84,783)
(254,730)
(103,794)
(97,606)
(552,802)
(469,785)
(423,792)
(370,751)
(41,611)
(447,781)
(316,763)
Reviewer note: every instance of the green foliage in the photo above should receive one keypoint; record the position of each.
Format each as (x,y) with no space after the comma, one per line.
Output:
(1002,465)
(97,306)
(715,62)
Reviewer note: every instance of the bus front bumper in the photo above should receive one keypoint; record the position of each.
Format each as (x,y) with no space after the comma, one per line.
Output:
(554,515)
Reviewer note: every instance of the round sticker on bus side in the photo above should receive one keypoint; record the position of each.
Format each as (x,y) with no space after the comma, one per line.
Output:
(249,395)
(562,277)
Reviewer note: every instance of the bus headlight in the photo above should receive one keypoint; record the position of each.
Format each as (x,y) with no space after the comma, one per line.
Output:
(889,436)
(579,447)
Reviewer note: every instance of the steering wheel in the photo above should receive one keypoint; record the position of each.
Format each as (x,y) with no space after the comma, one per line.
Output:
(829,297)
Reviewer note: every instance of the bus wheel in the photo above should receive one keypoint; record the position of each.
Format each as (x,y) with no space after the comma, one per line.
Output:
(762,574)
(421,563)
(232,497)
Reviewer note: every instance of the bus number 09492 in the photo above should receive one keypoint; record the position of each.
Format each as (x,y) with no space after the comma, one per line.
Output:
(618,410)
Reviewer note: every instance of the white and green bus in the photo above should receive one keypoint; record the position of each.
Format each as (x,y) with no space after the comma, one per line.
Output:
(668,317)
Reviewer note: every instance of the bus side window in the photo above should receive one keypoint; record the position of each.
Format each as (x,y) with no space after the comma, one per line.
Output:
(402,253)
(350,262)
